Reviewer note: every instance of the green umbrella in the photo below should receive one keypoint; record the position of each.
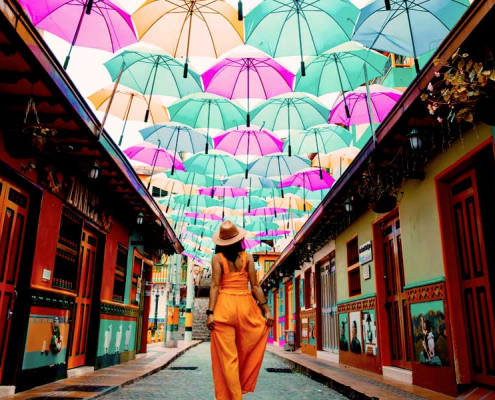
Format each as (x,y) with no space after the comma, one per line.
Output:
(300,27)
(274,192)
(196,200)
(150,73)
(205,110)
(261,248)
(260,226)
(200,230)
(290,111)
(191,178)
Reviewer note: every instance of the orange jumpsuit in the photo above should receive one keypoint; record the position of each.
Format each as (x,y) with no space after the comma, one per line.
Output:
(238,341)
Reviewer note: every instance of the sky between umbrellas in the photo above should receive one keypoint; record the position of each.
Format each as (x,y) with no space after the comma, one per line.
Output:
(245,127)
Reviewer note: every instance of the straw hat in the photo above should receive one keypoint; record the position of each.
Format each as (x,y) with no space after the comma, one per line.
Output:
(228,234)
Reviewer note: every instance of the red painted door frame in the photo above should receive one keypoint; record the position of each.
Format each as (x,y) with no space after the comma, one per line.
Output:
(297,291)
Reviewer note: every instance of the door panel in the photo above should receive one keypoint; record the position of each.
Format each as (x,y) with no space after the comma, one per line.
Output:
(474,276)
(329,307)
(13,214)
(82,309)
(396,304)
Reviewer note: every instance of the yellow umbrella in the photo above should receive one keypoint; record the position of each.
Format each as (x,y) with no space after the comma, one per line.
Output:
(128,104)
(338,160)
(163,182)
(219,210)
(290,201)
(189,27)
(296,224)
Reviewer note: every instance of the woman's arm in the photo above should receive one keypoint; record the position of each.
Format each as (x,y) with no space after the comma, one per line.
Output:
(258,292)
(215,286)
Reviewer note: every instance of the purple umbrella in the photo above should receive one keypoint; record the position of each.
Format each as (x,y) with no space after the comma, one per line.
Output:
(98,24)
(223,191)
(240,78)
(381,101)
(271,232)
(311,179)
(203,216)
(248,142)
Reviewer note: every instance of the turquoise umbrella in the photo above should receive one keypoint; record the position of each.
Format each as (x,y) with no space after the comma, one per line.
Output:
(191,178)
(300,27)
(261,248)
(341,69)
(151,74)
(320,139)
(273,192)
(196,201)
(290,111)
(260,226)
(245,203)
(254,182)
(205,110)
(200,230)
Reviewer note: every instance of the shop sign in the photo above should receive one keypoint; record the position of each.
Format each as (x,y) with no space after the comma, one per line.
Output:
(365,252)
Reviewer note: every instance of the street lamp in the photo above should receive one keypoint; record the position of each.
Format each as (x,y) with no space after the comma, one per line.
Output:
(157,291)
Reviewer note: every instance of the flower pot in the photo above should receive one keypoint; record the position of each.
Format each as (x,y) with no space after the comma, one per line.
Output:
(384,204)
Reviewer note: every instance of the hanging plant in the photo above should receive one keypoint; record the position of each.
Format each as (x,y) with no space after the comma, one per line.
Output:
(461,91)
(28,139)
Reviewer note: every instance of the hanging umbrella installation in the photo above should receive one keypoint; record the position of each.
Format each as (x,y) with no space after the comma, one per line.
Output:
(248,78)
(311,179)
(299,27)
(152,73)
(407,27)
(290,111)
(182,28)
(97,24)
(205,110)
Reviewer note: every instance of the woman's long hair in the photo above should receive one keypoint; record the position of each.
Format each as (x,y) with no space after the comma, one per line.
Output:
(231,252)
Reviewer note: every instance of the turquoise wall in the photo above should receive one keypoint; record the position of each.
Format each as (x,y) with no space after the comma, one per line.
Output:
(118,335)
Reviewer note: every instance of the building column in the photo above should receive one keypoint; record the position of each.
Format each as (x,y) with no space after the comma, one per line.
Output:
(189,301)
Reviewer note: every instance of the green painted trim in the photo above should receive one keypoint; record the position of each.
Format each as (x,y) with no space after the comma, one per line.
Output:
(425,283)
(493,131)
(363,297)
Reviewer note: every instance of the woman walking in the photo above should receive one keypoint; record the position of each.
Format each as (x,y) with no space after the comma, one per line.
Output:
(238,330)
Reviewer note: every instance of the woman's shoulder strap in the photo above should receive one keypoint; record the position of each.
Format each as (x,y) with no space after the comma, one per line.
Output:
(225,264)
(244,256)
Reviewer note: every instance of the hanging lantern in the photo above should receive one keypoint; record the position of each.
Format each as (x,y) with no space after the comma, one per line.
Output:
(415,139)
(140,218)
(348,205)
(94,172)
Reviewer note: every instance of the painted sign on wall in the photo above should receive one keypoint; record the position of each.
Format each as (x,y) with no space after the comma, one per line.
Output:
(48,332)
(344,332)
(116,336)
(369,332)
(366,252)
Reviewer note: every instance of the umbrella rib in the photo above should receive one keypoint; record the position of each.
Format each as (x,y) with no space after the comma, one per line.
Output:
(108,26)
(261,80)
(172,11)
(235,82)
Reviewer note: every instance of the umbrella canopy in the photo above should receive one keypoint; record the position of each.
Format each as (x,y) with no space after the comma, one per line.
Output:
(192,178)
(382,100)
(272,233)
(214,164)
(267,211)
(409,27)
(152,155)
(205,110)
(182,28)
(300,27)
(273,192)
(203,216)
(200,230)
(311,179)
(219,210)
(98,24)
(261,248)
(250,243)
(261,226)
(290,201)
(164,183)
(290,111)
(251,183)
(320,139)
(243,203)
(223,191)
(340,69)
(196,201)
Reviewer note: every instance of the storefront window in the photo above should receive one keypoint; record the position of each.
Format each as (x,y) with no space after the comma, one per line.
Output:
(120,274)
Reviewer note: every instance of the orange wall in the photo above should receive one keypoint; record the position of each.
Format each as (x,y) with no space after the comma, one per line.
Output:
(262,258)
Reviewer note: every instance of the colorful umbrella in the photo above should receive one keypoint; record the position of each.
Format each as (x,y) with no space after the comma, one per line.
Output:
(250,183)
(250,244)
(407,27)
(261,226)
(175,137)
(166,184)
(203,216)
(261,248)
(223,191)
(205,110)
(98,24)
(290,111)
(200,230)
(247,78)
(381,101)
(267,211)
(272,233)
(290,201)
(341,69)
(127,104)
(219,210)
(150,74)
(183,27)
(311,179)
(246,141)
(191,178)
(300,27)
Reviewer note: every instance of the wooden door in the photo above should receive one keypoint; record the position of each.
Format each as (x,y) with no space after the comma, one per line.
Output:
(82,308)
(275,317)
(13,215)
(329,315)
(474,276)
(289,306)
(396,298)
(298,311)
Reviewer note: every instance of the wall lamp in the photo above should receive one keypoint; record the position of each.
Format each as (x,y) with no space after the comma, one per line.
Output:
(415,139)
(140,218)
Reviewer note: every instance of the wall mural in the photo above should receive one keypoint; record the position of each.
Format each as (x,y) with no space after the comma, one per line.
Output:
(47,336)
(369,332)
(430,333)
(355,328)
(344,332)
(116,336)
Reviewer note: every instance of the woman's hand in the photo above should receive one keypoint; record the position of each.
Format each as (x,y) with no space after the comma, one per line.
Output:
(269,318)
(210,324)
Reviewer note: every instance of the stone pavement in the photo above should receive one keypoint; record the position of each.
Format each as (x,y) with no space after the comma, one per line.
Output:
(182,384)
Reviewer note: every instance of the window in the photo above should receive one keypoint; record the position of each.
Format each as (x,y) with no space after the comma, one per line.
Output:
(268,265)
(308,288)
(157,192)
(353,267)
(120,274)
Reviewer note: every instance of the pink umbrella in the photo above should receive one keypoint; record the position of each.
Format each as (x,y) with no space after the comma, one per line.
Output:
(265,211)
(98,24)
(248,142)
(250,243)
(240,78)
(382,100)
(196,215)
(310,178)
(271,232)
(223,191)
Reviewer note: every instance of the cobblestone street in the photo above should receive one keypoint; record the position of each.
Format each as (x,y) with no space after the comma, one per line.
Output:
(198,384)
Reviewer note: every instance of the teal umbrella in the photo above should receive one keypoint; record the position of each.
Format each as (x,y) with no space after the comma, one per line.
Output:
(261,248)
(196,201)
(300,27)
(214,164)
(245,203)
(290,111)
(273,192)
(200,230)
(254,182)
(205,110)
(320,139)
(151,74)
(341,69)
(260,226)
(191,178)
